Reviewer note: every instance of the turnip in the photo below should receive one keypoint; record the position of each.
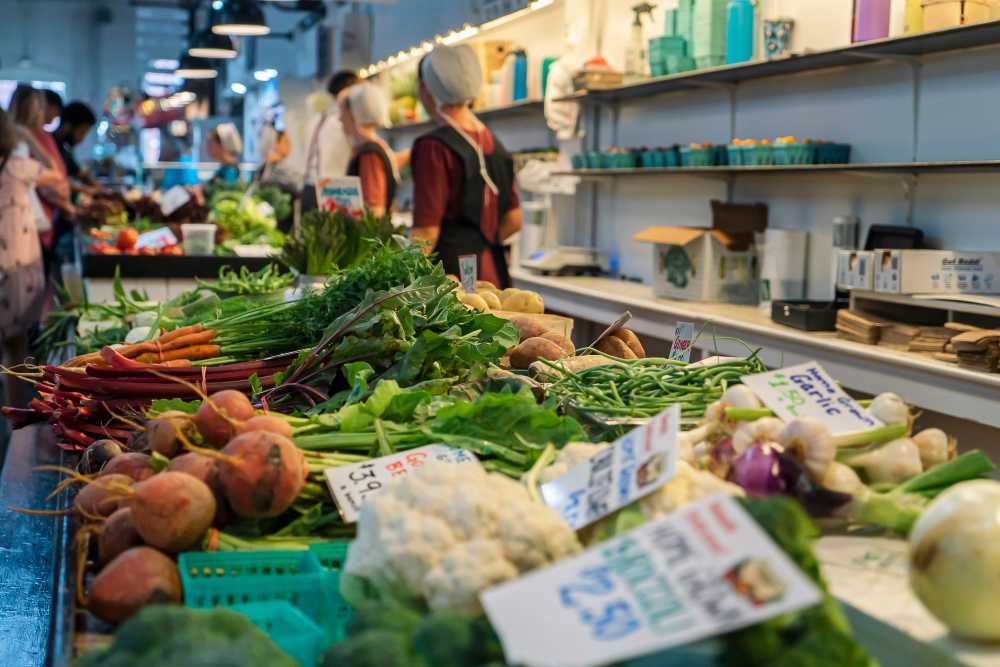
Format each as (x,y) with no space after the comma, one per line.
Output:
(163,433)
(267,423)
(205,468)
(117,535)
(172,511)
(136,578)
(220,415)
(101,497)
(262,474)
(96,456)
(133,464)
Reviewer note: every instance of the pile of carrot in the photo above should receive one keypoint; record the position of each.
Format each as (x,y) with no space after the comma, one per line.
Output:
(177,348)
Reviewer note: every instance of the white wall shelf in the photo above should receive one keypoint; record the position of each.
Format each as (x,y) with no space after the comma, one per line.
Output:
(517,108)
(923,381)
(951,167)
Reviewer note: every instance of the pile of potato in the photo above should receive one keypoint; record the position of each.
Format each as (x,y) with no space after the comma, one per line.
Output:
(537,342)
(623,344)
(488,298)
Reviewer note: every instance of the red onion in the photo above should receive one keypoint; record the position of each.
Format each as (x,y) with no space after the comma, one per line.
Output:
(758,470)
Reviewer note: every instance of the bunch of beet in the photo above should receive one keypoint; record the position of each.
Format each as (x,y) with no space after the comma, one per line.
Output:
(225,461)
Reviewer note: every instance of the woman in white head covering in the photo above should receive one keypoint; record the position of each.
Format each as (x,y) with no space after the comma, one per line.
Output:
(464,198)
(363,110)
(225,146)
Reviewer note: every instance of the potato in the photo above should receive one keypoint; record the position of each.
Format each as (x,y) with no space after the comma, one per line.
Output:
(616,347)
(491,299)
(628,337)
(475,301)
(509,292)
(560,340)
(487,286)
(532,350)
(524,302)
(528,327)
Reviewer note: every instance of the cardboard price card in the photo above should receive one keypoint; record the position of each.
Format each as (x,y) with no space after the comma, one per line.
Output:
(353,485)
(173,199)
(468,266)
(807,390)
(343,192)
(680,349)
(635,465)
(702,571)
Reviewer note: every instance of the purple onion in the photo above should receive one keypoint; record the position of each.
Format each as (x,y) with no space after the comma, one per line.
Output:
(759,471)
(721,456)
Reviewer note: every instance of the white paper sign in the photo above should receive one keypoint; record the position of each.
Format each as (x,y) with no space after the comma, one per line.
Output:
(173,199)
(807,390)
(680,350)
(341,193)
(158,238)
(468,267)
(353,485)
(634,466)
(702,571)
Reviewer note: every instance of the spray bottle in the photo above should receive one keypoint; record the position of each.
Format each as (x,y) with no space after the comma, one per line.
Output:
(636,55)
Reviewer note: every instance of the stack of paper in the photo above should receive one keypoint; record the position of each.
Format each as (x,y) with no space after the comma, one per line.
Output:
(861,327)
(978,350)
(931,339)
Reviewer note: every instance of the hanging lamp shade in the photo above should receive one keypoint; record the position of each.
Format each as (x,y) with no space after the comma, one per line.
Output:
(242,18)
(207,44)
(195,68)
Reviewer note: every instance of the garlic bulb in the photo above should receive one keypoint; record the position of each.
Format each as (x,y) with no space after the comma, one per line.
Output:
(890,409)
(842,478)
(955,559)
(809,440)
(893,462)
(933,445)
(740,396)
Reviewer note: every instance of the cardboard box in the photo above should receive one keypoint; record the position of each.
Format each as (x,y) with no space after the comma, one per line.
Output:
(937,272)
(855,269)
(701,264)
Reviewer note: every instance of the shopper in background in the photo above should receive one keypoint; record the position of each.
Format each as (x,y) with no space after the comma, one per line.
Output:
(22,276)
(363,110)
(53,106)
(225,146)
(328,152)
(75,123)
(464,198)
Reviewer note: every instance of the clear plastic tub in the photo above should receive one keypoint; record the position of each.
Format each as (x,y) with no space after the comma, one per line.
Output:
(199,238)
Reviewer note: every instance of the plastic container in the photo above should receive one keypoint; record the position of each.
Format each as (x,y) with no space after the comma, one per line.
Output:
(647,159)
(698,157)
(721,156)
(579,161)
(798,153)
(708,33)
(758,155)
(871,19)
(739,31)
(679,64)
(670,157)
(831,153)
(294,632)
(199,238)
(735,152)
(520,88)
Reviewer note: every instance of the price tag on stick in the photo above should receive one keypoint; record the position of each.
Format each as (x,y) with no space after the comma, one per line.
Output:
(468,267)
(680,350)
(702,571)
(334,193)
(807,390)
(355,484)
(634,466)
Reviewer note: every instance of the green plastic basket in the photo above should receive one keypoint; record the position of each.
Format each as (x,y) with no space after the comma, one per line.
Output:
(758,155)
(331,557)
(295,633)
(231,578)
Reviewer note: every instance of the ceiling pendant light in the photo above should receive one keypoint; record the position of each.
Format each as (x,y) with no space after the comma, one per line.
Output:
(207,44)
(243,18)
(195,68)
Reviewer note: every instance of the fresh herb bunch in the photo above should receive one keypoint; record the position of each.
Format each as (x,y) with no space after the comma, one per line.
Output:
(325,241)
(248,283)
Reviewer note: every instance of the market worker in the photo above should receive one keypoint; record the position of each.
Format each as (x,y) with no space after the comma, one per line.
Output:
(464,198)
(75,123)
(22,276)
(225,146)
(328,151)
(363,110)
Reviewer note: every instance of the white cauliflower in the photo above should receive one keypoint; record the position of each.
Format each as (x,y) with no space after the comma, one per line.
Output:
(686,487)
(449,531)
(570,456)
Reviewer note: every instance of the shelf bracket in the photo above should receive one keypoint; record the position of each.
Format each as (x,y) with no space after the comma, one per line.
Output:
(889,57)
(909,183)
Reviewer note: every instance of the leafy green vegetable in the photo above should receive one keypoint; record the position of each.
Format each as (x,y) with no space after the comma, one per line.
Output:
(194,638)
(325,241)
(246,282)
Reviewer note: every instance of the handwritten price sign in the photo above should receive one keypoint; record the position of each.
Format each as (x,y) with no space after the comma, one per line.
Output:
(681,348)
(468,266)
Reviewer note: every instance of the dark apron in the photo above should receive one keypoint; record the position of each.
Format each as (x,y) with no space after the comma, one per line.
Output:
(463,235)
(354,169)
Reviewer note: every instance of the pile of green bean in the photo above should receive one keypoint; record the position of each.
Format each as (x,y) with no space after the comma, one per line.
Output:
(645,387)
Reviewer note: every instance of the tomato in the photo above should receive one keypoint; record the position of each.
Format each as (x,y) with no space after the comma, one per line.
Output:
(127,238)
(148,251)
(172,250)
(111,250)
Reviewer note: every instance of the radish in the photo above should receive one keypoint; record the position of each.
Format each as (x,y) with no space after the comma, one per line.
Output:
(101,497)
(205,468)
(172,511)
(98,455)
(220,415)
(262,474)
(162,432)
(117,535)
(267,423)
(136,578)
(133,464)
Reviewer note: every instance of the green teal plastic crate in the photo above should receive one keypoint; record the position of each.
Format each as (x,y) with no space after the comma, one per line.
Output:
(230,578)
(789,154)
(295,633)
(830,153)
(735,152)
(708,33)
(331,556)
(758,155)
(698,157)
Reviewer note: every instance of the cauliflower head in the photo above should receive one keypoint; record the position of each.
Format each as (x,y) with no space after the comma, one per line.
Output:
(449,531)
(573,454)
(689,485)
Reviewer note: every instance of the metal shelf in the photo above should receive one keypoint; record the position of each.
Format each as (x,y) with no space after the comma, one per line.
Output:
(960,166)
(520,107)
(911,46)
(921,380)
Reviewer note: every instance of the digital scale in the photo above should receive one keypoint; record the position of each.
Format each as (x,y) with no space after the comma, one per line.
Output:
(566,260)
